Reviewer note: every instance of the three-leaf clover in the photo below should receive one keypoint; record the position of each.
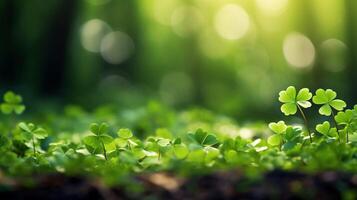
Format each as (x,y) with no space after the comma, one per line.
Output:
(124,139)
(31,132)
(326,98)
(291,101)
(98,139)
(12,103)
(347,119)
(203,138)
(278,128)
(325,129)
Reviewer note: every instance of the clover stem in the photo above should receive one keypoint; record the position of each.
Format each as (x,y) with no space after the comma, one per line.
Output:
(159,156)
(104,151)
(306,123)
(347,134)
(33,145)
(338,132)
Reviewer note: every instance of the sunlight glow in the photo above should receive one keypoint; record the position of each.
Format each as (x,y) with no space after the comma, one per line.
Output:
(272,7)
(116,47)
(186,20)
(333,52)
(232,22)
(298,50)
(92,33)
(176,88)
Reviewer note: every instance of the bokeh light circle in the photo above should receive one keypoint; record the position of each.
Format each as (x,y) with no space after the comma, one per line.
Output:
(298,50)
(116,47)
(232,22)
(92,33)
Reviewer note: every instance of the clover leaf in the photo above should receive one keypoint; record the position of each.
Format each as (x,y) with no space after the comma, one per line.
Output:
(348,119)
(325,129)
(32,133)
(291,101)
(125,138)
(97,141)
(275,140)
(344,118)
(203,138)
(12,103)
(125,133)
(326,98)
(279,127)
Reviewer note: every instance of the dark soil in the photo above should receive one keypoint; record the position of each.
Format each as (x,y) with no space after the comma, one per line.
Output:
(220,185)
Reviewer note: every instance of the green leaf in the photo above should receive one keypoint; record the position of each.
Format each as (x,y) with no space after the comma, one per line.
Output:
(210,140)
(338,104)
(200,136)
(103,128)
(330,94)
(121,142)
(325,110)
(304,95)
(279,127)
(274,140)
(288,96)
(288,108)
(106,139)
(163,142)
(344,117)
(9,97)
(92,141)
(23,126)
(12,103)
(177,141)
(211,154)
(327,98)
(181,151)
(125,133)
(94,128)
(19,109)
(304,104)
(320,97)
(323,128)
(40,133)
(6,108)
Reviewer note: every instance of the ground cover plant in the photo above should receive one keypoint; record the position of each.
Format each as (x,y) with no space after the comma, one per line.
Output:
(128,148)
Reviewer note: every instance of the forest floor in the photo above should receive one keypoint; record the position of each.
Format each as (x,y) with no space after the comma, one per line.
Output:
(219,185)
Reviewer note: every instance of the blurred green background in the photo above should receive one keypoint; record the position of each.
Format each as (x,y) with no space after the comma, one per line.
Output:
(230,56)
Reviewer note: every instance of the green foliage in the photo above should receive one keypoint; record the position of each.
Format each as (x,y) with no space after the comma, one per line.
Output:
(326,129)
(326,98)
(12,103)
(203,138)
(291,101)
(167,146)
(30,134)
(99,138)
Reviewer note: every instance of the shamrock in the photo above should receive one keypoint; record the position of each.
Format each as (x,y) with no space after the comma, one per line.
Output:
(203,138)
(291,101)
(12,103)
(98,139)
(325,129)
(180,149)
(31,132)
(326,98)
(348,119)
(124,139)
(278,128)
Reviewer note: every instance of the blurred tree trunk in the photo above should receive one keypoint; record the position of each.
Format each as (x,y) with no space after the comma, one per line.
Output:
(351,31)
(10,58)
(55,48)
